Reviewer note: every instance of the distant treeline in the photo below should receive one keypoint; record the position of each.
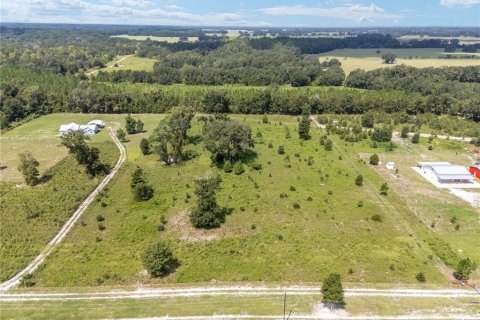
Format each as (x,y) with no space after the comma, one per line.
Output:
(24,92)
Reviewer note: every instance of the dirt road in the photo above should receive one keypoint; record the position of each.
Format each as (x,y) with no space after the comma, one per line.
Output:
(32,266)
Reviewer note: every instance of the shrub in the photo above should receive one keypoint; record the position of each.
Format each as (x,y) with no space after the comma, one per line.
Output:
(328,145)
(292,188)
(144,146)
(27,280)
(257,166)
(374,159)
(384,189)
(158,259)
(464,269)
(404,133)
(296,205)
(310,161)
(420,277)
(376,218)
(265,118)
(101,226)
(359,180)
(143,192)
(281,150)
(332,291)
(100,218)
(270,145)
(161,227)
(227,167)
(238,168)
(416,138)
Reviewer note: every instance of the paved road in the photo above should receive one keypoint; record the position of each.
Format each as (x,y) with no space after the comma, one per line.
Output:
(32,266)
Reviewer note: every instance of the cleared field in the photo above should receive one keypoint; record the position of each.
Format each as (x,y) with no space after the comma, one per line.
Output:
(133,63)
(462,39)
(155,38)
(264,239)
(369,59)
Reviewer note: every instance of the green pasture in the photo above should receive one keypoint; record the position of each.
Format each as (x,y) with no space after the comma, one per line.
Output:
(369,59)
(263,239)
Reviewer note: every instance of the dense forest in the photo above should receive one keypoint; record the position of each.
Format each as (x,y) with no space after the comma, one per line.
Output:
(43,71)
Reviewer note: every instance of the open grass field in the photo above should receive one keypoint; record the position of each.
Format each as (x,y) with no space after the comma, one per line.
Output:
(265,238)
(31,216)
(369,59)
(154,38)
(133,63)
(463,39)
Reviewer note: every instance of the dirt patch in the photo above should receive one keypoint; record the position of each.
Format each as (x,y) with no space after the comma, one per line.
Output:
(471,197)
(180,224)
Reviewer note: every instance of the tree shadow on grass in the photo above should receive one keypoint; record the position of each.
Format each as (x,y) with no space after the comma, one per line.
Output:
(249,156)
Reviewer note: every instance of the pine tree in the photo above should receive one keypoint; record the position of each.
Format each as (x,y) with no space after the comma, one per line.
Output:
(304,128)
(144,146)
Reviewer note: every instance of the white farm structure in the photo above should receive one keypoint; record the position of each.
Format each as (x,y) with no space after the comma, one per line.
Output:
(447,175)
(89,129)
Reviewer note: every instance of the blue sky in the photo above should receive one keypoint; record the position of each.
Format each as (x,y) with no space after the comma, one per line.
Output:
(279,13)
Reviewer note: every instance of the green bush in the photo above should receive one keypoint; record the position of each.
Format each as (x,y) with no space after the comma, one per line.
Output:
(143,192)
(374,159)
(281,150)
(158,259)
(238,168)
(227,167)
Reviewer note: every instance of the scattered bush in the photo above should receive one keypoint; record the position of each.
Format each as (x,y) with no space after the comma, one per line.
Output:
(376,218)
(143,192)
(100,218)
(374,159)
(158,259)
(420,277)
(227,167)
(281,150)
(238,168)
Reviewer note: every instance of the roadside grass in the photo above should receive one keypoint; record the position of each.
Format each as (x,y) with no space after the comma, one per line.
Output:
(264,239)
(360,306)
(369,59)
(451,219)
(154,38)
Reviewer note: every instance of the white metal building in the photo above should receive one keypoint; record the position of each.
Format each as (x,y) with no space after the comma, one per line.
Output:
(445,172)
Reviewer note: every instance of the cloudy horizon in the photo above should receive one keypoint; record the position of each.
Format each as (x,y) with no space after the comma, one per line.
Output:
(327,13)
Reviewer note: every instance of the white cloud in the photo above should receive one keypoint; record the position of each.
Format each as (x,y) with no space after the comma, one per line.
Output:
(463,3)
(354,12)
(113,11)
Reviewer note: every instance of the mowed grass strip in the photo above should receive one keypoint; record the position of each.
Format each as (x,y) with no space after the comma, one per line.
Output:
(264,239)
(361,306)
(369,59)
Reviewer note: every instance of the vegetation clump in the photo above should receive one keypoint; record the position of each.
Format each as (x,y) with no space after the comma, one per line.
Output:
(332,291)
(28,167)
(207,213)
(159,260)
